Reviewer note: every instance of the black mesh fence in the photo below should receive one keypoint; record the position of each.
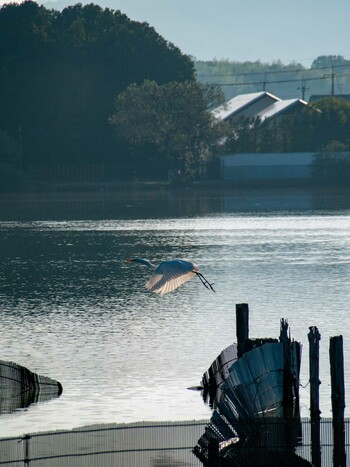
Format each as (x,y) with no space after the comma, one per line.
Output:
(171,444)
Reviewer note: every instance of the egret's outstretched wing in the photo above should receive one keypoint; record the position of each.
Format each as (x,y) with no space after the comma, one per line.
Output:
(169,275)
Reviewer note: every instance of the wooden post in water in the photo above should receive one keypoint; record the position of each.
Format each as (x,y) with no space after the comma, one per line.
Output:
(287,373)
(314,370)
(284,331)
(338,399)
(242,327)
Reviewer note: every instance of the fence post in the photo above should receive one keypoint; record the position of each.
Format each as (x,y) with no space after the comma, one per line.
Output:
(26,439)
(242,327)
(338,399)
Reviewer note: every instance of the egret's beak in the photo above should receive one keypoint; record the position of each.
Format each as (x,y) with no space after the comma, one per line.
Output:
(129,260)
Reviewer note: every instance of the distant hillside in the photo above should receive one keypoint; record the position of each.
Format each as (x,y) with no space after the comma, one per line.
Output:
(286,81)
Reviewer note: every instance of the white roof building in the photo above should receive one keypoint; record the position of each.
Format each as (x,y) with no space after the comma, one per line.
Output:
(258,104)
(281,107)
(247,105)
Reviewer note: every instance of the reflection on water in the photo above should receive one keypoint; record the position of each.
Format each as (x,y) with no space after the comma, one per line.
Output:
(136,204)
(72,309)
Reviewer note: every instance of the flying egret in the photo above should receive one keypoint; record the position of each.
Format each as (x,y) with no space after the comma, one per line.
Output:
(169,275)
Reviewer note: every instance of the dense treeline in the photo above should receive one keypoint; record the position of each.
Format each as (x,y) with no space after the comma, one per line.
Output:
(87,92)
(60,73)
(174,122)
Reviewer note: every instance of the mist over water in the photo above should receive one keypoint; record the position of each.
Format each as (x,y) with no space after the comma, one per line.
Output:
(71,308)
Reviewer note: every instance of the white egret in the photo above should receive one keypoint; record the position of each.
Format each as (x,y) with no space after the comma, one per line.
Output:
(169,275)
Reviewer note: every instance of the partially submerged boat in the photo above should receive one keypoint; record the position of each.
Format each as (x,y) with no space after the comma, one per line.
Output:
(20,387)
(255,400)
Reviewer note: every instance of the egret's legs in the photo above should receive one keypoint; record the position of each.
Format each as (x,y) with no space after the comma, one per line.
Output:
(204,281)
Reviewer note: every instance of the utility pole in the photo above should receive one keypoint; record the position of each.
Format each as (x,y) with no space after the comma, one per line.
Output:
(303,88)
(332,76)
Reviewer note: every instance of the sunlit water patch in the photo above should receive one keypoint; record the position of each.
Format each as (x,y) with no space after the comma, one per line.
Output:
(71,308)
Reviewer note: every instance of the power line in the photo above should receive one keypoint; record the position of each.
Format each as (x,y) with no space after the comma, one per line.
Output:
(280,81)
(244,83)
(273,72)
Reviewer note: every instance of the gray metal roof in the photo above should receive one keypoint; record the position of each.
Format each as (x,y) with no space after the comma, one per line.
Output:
(240,102)
(279,107)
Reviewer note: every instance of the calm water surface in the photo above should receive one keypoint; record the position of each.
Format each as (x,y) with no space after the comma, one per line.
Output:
(72,309)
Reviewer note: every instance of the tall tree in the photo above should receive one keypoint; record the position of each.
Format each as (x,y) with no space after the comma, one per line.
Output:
(60,73)
(171,120)
(325,61)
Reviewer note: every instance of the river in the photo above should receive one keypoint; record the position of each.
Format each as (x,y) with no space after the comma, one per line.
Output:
(71,308)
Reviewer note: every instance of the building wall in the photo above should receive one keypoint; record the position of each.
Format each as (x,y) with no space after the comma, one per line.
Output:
(268,166)
(266,173)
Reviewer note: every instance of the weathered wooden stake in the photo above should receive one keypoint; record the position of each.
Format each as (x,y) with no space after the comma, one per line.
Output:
(314,371)
(287,373)
(242,327)
(338,399)
(284,331)
(316,455)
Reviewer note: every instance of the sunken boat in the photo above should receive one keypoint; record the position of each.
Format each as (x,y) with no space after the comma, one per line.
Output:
(20,387)
(252,388)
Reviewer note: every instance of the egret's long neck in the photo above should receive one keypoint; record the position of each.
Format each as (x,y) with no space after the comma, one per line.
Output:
(146,262)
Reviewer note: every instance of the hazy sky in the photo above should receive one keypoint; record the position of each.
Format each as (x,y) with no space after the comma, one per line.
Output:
(265,30)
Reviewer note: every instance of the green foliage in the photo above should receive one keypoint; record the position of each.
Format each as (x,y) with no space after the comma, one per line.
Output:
(332,165)
(60,73)
(12,178)
(325,61)
(173,120)
(312,129)
(11,174)
(332,123)
(9,150)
